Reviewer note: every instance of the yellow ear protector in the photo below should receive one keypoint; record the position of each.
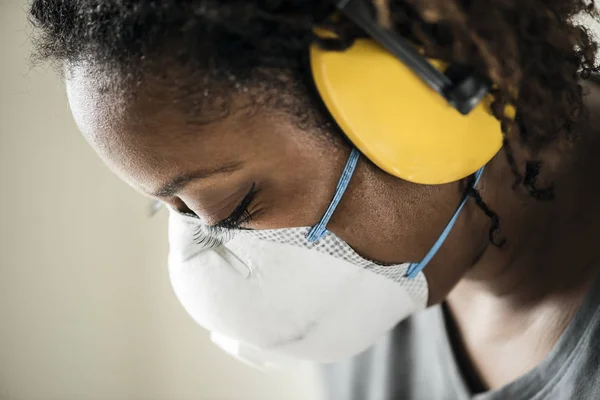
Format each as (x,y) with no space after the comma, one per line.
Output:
(416,119)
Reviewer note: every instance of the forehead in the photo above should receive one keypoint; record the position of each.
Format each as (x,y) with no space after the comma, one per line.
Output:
(146,102)
(134,129)
(105,104)
(145,133)
(156,107)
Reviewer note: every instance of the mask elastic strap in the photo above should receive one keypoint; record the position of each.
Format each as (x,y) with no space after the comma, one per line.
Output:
(320,229)
(415,268)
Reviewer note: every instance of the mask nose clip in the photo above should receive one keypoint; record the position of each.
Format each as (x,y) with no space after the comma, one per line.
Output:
(318,231)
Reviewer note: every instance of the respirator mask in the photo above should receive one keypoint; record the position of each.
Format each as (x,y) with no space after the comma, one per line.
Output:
(269,296)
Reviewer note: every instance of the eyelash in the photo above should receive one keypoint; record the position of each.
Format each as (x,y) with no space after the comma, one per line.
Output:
(221,232)
(210,239)
(239,216)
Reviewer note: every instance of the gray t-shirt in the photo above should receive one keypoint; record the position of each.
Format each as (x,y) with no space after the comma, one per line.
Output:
(416,362)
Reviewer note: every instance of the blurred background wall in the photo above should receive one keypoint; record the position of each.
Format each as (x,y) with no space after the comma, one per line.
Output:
(86,308)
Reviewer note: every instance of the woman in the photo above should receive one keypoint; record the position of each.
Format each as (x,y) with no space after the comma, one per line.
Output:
(287,239)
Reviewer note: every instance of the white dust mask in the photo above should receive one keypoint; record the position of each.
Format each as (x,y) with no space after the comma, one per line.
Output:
(300,293)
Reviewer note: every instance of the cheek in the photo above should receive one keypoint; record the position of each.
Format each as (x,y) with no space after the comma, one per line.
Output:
(392,221)
(297,187)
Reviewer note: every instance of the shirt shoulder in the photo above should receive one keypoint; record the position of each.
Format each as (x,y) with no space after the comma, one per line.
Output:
(413,361)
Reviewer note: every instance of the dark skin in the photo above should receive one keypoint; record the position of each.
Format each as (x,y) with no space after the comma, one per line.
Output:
(510,305)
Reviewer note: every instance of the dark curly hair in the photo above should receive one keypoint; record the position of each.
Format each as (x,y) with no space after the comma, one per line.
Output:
(531,47)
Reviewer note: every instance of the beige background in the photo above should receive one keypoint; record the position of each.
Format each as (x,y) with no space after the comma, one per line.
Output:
(86,308)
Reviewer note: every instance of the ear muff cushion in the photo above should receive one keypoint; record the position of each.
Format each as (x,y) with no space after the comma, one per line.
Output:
(397,121)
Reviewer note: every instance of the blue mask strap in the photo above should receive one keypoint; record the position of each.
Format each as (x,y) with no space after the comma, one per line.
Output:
(415,268)
(320,229)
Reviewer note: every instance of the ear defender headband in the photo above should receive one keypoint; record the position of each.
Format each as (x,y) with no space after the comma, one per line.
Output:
(416,119)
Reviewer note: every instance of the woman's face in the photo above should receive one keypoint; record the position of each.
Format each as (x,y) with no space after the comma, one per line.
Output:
(209,169)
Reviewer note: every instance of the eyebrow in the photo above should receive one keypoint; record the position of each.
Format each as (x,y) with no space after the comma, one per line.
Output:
(179,182)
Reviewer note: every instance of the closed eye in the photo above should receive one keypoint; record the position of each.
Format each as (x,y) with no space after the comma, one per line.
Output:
(238,217)
(224,230)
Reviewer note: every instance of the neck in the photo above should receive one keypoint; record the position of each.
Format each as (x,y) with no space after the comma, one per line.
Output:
(518,300)
(552,245)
